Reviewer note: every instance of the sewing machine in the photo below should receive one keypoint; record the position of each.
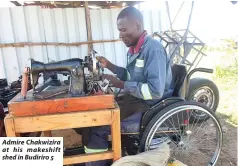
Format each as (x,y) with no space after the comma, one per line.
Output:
(79,82)
(83,89)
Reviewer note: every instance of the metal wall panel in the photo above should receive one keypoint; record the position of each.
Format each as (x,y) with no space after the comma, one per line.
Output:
(33,24)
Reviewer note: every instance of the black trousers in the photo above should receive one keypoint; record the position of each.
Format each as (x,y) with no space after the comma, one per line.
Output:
(128,105)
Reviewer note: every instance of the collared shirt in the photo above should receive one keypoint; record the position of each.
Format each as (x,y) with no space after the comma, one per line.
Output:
(135,50)
(148,74)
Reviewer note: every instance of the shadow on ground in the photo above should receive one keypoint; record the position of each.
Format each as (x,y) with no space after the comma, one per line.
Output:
(228,156)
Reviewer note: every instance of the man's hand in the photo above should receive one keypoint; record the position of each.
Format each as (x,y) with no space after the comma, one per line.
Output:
(114,81)
(105,63)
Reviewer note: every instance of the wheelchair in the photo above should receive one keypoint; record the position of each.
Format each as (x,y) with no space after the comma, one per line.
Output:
(173,121)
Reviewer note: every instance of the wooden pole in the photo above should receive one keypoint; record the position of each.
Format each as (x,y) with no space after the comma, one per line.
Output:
(23,44)
(88,25)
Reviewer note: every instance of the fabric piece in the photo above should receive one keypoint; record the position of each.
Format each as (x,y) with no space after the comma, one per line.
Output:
(88,150)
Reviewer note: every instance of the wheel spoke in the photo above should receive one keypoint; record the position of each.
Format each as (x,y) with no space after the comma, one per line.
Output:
(190,141)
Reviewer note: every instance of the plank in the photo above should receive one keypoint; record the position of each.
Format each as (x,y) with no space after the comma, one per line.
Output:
(88,157)
(66,44)
(9,126)
(63,121)
(20,107)
(88,24)
(116,134)
(47,134)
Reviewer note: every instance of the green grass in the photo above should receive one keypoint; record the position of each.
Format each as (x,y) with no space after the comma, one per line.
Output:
(230,72)
(226,78)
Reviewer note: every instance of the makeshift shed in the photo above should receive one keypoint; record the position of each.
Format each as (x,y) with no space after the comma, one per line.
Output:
(45,32)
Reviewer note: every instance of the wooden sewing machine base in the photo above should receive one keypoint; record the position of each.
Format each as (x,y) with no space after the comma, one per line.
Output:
(19,106)
(29,115)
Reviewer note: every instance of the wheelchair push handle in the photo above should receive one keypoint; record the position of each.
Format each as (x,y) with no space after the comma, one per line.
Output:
(205,70)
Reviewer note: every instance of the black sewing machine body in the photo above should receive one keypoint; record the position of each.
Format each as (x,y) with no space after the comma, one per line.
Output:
(77,84)
(72,67)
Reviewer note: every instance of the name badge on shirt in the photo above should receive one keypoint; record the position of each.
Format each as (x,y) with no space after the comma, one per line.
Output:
(139,63)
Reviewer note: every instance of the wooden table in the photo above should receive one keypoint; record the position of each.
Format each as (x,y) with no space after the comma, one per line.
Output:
(16,123)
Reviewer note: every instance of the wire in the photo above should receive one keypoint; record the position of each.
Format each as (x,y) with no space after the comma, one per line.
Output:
(177,14)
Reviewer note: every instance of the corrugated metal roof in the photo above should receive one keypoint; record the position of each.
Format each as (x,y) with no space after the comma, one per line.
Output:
(33,24)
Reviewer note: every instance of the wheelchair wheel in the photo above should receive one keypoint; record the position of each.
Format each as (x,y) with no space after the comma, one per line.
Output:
(203,91)
(190,142)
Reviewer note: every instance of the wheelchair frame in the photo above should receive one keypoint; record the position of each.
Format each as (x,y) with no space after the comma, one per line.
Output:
(130,141)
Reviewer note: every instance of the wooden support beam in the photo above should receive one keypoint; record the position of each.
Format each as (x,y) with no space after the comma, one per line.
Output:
(47,134)
(88,25)
(16,3)
(84,158)
(30,106)
(116,136)
(24,44)
(9,126)
(59,121)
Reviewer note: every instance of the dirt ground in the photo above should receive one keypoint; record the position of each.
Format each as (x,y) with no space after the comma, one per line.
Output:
(227,112)
(228,156)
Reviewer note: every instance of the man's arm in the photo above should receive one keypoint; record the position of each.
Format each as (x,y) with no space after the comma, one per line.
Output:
(155,71)
(121,72)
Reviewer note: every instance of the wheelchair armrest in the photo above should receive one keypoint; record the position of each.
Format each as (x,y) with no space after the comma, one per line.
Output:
(156,108)
(170,100)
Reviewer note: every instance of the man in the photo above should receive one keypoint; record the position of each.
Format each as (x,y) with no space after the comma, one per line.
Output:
(147,78)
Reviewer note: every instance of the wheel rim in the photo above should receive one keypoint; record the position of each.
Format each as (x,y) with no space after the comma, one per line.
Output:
(189,141)
(204,95)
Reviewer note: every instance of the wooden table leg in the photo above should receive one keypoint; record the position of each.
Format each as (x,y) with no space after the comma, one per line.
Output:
(47,134)
(18,134)
(116,135)
(10,126)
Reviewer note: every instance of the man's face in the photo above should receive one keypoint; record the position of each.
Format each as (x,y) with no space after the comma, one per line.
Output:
(128,31)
